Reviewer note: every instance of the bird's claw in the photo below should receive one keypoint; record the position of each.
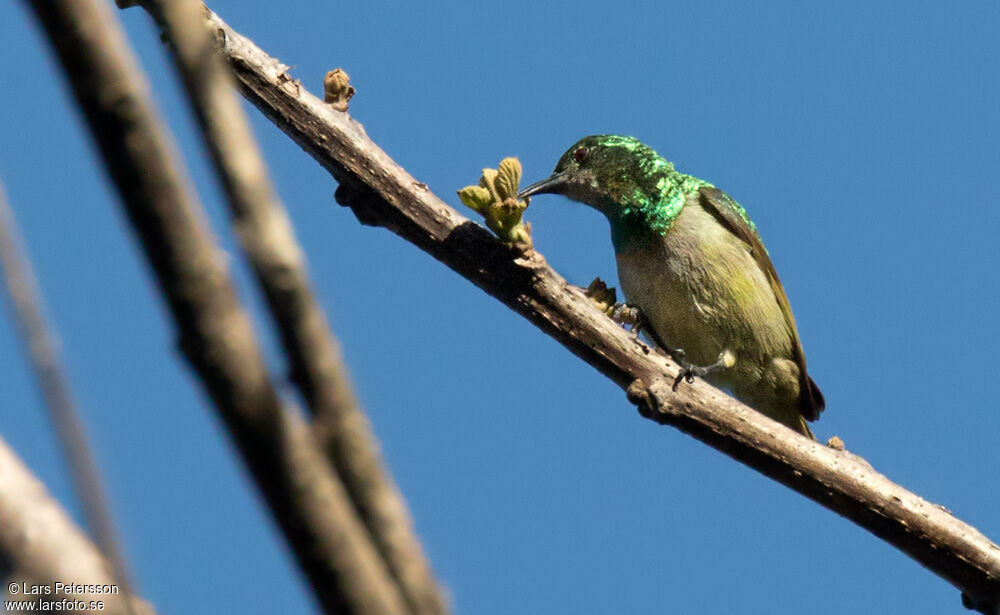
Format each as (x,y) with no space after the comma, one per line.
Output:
(606,300)
(630,315)
(689,371)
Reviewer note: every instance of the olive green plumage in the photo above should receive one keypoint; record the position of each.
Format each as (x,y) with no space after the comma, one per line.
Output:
(692,261)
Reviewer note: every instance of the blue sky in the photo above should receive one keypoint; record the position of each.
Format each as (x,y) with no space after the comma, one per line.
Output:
(862,138)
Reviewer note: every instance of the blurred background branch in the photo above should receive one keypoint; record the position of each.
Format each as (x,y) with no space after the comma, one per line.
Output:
(41,350)
(40,545)
(270,245)
(215,334)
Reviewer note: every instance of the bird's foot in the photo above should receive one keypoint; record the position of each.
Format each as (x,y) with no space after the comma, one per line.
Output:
(689,371)
(625,314)
(606,300)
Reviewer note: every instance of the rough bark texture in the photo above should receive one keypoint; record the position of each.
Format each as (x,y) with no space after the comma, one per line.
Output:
(314,355)
(382,193)
(215,334)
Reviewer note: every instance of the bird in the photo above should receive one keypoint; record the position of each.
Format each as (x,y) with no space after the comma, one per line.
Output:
(693,263)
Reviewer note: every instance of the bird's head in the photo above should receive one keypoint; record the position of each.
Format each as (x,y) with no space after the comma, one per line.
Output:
(604,171)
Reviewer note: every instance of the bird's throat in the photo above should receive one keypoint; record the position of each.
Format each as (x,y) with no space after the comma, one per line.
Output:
(631,232)
(643,214)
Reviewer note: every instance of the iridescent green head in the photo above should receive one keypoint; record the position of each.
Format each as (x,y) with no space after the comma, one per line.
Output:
(636,188)
(601,170)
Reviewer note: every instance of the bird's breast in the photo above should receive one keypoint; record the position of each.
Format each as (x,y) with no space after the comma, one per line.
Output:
(701,290)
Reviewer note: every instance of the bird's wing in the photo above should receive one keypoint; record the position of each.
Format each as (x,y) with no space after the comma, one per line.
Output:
(734,218)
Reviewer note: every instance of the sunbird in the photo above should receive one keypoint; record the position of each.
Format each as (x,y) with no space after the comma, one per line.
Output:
(692,262)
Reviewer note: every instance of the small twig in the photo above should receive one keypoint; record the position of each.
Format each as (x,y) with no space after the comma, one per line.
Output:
(269,242)
(40,545)
(215,333)
(381,192)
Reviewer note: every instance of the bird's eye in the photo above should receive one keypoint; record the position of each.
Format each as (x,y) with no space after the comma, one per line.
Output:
(580,154)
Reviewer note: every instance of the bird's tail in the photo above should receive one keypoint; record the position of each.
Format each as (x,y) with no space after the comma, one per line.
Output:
(811,401)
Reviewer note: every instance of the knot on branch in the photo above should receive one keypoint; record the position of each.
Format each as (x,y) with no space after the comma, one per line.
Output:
(643,397)
(982,606)
(358,197)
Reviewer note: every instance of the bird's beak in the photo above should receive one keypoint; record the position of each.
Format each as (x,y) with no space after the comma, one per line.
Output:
(549,185)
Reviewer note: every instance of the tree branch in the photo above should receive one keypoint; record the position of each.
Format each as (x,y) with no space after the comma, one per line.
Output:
(315,359)
(380,192)
(215,333)
(40,348)
(40,545)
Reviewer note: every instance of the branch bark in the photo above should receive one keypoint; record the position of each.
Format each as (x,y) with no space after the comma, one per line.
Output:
(40,348)
(40,545)
(269,242)
(215,334)
(382,193)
